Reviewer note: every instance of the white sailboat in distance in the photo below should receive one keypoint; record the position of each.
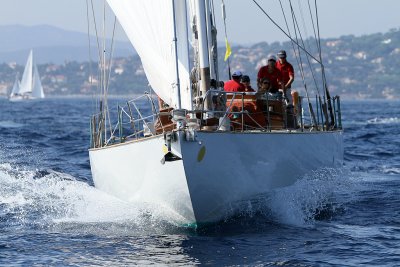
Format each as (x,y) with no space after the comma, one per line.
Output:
(30,86)
(202,152)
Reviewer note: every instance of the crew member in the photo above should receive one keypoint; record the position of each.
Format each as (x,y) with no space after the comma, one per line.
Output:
(246,82)
(234,85)
(287,73)
(271,73)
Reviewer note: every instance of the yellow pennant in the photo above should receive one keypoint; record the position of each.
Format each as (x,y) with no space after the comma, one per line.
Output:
(228,50)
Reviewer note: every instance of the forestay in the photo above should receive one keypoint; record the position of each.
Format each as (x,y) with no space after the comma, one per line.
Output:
(149,25)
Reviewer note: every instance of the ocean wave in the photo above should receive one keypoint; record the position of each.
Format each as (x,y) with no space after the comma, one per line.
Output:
(46,198)
(50,199)
(10,124)
(319,195)
(351,124)
(394,120)
(390,170)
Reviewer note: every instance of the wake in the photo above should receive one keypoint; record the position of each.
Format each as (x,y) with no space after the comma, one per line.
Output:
(57,201)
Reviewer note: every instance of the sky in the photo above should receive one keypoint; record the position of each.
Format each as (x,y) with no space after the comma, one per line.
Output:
(245,22)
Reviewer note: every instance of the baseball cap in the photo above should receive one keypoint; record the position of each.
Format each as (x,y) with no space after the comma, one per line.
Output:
(282,54)
(237,73)
(245,78)
(271,57)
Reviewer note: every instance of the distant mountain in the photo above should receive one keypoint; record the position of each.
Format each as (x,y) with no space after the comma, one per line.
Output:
(51,44)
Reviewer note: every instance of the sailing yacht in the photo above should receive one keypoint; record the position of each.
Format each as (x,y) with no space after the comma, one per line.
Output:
(202,152)
(30,86)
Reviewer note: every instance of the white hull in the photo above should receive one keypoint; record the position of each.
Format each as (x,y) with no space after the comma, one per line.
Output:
(22,98)
(236,167)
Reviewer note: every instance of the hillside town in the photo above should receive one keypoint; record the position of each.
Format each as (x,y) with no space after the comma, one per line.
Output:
(364,67)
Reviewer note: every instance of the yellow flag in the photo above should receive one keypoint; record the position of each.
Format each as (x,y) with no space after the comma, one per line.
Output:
(228,50)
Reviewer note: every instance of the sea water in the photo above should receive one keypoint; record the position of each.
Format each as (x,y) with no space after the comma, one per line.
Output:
(51,215)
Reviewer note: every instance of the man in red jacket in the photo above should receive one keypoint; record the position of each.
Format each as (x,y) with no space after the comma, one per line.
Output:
(272,74)
(234,85)
(287,74)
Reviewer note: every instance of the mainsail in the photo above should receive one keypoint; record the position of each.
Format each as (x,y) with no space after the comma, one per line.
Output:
(152,27)
(27,77)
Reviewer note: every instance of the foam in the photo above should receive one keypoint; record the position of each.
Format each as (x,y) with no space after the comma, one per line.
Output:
(10,124)
(394,120)
(58,200)
(301,203)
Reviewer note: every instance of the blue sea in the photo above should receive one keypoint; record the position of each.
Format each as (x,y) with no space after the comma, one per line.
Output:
(51,215)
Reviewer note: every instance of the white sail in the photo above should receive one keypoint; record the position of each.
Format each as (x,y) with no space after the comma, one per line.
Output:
(37,90)
(150,27)
(26,82)
(16,87)
(30,86)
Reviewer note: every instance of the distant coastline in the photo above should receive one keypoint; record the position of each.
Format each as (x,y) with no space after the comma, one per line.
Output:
(357,67)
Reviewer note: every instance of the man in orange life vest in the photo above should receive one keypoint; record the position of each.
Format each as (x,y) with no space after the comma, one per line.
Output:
(287,74)
(234,85)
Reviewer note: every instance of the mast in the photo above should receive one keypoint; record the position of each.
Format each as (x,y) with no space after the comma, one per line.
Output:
(178,86)
(212,42)
(204,63)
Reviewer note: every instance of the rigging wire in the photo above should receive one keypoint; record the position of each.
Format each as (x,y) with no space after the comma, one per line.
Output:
(300,64)
(226,37)
(294,49)
(318,45)
(98,44)
(214,41)
(90,55)
(285,33)
(328,95)
(111,55)
(99,74)
(307,41)
(100,103)
(296,24)
(96,31)
(302,69)
(104,76)
(315,33)
(194,72)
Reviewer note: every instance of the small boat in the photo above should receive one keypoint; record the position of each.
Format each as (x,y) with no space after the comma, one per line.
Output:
(30,87)
(201,152)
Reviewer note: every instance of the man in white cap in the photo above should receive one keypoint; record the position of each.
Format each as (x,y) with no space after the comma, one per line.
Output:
(234,85)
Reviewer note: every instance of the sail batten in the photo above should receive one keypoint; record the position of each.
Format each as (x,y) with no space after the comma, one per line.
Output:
(149,25)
